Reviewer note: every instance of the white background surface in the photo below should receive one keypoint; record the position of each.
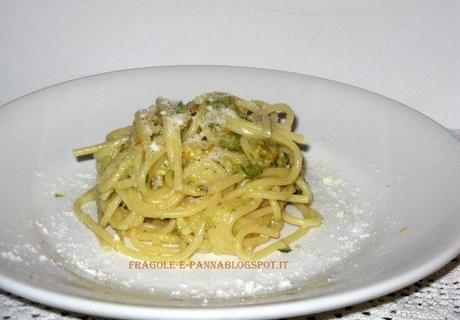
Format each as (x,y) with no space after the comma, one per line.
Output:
(406,50)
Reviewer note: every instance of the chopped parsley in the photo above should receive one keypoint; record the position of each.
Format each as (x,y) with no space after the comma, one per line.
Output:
(243,115)
(181,108)
(157,131)
(251,170)
(223,101)
(230,141)
(183,131)
(283,160)
(58,195)
(213,126)
(285,250)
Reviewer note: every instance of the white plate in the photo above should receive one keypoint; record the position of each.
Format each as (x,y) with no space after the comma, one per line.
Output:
(385,177)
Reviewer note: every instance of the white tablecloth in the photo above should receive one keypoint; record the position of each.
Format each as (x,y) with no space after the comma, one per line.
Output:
(437,297)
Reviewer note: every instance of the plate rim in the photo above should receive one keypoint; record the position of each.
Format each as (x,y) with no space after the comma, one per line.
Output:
(264,310)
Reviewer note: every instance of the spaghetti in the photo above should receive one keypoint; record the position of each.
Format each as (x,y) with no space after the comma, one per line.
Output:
(212,176)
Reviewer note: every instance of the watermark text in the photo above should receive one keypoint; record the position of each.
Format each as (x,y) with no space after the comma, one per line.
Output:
(207,265)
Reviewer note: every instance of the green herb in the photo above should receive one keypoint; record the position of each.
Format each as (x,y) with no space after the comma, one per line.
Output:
(285,250)
(230,142)
(251,170)
(283,160)
(58,195)
(213,126)
(243,116)
(263,152)
(157,131)
(181,108)
(298,191)
(224,101)
(183,131)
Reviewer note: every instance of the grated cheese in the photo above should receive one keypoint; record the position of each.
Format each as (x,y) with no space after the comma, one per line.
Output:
(215,154)
(218,115)
(154,146)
